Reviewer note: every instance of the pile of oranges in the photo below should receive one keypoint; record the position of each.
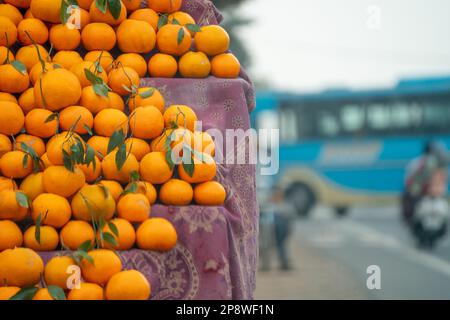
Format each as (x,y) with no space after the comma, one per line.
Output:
(85,152)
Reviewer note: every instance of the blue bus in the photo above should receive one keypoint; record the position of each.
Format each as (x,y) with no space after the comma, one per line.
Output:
(346,148)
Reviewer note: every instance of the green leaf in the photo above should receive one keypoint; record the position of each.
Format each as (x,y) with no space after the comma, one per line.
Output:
(85,246)
(101,90)
(101,5)
(115,7)
(88,129)
(37,233)
(56,292)
(90,156)
(25,161)
(121,156)
(19,66)
(84,255)
(176,22)
(132,188)
(113,229)
(117,139)
(51,117)
(169,158)
(109,238)
(180,36)
(105,191)
(163,20)
(92,77)
(147,93)
(68,161)
(25,294)
(22,199)
(189,168)
(64,14)
(135,176)
(193,28)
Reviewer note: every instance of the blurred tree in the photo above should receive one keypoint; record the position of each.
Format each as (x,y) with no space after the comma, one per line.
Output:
(232,22)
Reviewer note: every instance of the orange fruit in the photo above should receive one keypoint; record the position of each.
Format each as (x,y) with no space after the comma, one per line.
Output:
(33,185)
(210,193)
(106,264)
(162,65)
(20,267)
(29,55)
(205,169)
(11,236)
(128,285)
(110,171)
(107,121)
(167,40)
(93,171)
(12,165)
(6,145)
(6,293)
(58,143)
(132,5)
(93,201)
(75,233)
(156,234)
(78,115)
(67,59)
(176,192)
(155,169)
(114,188)
(165,6)
(212,40)
(55,210)
(147,15)
(11,118)
(7,184)
(146,189)
(126,238)
(49,239)
(134,61)
(87,291)
(98,36)
(225,65)
(85,17)
(180,137)
(12,80)
(147,96)
(45,163)
(60,181)
(8,32)
(104,58)
(35,28)
(55,272)
(181,17)
(28,14)
(43,294)
(146,122)
(79,71)
(99,144)
(5,56)
(133,207)
(203,142)
(63,37)
(85,4)
(36,143)
(10,209)
(92,101)
(135,36)
(26,100)
(138,147)
(46,10)
(116,101)
(8,97)
(121,78)
(194,65)
(37,125)
(11,12)
(60,88)
(19,3)
(180,115)
(107,17)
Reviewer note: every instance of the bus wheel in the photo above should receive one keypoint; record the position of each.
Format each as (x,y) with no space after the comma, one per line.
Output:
(341,212)
(302,198)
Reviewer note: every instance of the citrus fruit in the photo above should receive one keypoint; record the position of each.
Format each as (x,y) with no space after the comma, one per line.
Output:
(167,40)
(6,293)
(93,202)
(55,272)
(11,12)
(194,65)
(111,172)
(212,40)
(123,80)
(33,185)
(10,208)
(48,240)
(225,65)
(26,100)
(205,169)
(134,61)
(87,291)
(176,192)
(209,193)
(162,65)
(114,188)
(106,17)
(31,54)
(165,6)
(11,118)
(128,285)
(43,294)
(79,70)
(125,239)
(61,181)
(54,210)
(11,236)
(133,207)
(21,267)
(180,115)
(135,36)
(33,142)
(13,80)
(146,189)
(78,118)
(75,233)
(39,123)
(8,32)
(146,14)
(107,121)
(104,58)
(63,37)
(92,101)
(98,36)
(106,264)
(138,147)
(46,10)
(156,234)
(155,169)
(6,145)
(67,59)
(16,164)
(36,29)
(147,96)
(99,144)
(146,122)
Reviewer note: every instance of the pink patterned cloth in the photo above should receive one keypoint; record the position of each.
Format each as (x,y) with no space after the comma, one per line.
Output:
(216,254)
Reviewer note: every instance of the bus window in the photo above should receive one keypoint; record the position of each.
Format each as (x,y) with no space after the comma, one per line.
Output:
(378,117)
(401,116)
(437,116)
(328,124)
(267,119)
(288,125)
(352,118)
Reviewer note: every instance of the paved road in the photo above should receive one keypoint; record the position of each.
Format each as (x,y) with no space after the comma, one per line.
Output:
(331,257)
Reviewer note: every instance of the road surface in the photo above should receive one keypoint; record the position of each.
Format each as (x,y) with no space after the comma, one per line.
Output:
(331,257)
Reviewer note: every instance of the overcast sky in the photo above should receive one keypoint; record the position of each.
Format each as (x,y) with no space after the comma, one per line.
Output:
(308,45)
